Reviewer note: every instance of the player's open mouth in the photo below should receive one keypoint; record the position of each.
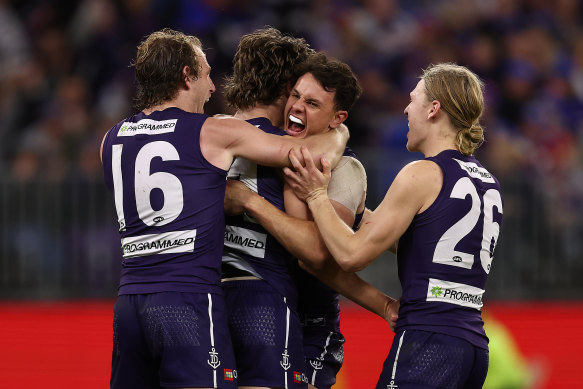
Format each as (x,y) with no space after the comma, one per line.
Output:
(295,126)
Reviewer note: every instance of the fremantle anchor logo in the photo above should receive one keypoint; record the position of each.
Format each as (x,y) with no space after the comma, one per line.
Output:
(392,385)
(285,360)
(214,361)
(316,364)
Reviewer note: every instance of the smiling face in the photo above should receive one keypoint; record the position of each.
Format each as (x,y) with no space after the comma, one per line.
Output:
(203,86)
(310,109)
(417,113)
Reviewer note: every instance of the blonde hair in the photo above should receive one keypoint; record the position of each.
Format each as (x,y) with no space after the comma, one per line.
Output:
(460,93)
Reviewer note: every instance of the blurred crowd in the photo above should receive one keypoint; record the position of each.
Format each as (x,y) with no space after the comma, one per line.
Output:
(65,79)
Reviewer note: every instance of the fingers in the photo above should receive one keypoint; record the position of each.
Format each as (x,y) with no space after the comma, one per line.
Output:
(308,158)
(326,167)
(295,160)
(290,175)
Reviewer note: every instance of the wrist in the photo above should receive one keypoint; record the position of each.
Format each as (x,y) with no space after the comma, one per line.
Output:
(252,203)
(317,198)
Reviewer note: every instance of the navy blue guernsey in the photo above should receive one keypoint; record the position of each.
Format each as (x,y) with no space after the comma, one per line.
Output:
(445,255)
(318,301)
(248,248)
(169,201)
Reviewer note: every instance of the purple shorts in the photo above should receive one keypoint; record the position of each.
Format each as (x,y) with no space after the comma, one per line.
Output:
(422,359)
(323,348)
(266,335)
(171,339)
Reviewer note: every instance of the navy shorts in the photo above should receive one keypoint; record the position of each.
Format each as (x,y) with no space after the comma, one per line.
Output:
(422,359)
(171,340)
(266,335)
(324,351)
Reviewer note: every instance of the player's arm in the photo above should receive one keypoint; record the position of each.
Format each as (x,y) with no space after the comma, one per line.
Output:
(298,235)
(223,138)
(294,228)
(101,147)
(351,286)
(367,213)
(413,190)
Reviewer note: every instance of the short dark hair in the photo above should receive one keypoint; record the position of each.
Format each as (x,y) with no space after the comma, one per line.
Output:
(334,76)
(158,66)
(263,67)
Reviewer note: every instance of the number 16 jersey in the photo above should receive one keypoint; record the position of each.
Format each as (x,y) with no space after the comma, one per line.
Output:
(169,202)
(445,255)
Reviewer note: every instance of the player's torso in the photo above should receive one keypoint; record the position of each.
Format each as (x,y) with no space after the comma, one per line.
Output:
(248,248)
(445,255)
(169,203)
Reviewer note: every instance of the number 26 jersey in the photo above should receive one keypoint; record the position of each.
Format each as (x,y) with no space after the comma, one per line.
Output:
(445,255)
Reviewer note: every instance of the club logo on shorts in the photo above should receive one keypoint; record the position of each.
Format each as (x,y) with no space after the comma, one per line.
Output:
(392,385)
(297,377)
(214,360)
(285,360)
(316,364)
(230,374)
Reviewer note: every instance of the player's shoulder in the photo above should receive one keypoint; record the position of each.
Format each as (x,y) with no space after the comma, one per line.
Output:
(421,172)
(349,165)
(422,166)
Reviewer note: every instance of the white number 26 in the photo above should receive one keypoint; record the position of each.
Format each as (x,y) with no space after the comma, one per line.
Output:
(445,252)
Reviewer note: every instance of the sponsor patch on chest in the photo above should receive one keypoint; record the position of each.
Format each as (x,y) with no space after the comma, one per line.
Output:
(147,127)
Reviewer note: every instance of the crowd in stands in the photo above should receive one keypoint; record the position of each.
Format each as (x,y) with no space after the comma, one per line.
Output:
(65,79)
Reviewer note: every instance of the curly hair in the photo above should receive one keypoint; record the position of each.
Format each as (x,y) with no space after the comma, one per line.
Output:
(461,95)
(158,66)
(334,76)
(263,67)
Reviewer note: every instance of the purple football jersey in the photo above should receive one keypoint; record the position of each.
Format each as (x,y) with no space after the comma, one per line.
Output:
(445,255)
(249,248)
(169,203)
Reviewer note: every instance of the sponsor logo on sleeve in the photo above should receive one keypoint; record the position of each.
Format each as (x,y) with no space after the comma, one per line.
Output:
(147,127)
(247,241)
(454,293)
(475,171)
(165,243)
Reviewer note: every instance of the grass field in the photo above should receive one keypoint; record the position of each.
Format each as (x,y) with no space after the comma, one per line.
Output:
(67,344)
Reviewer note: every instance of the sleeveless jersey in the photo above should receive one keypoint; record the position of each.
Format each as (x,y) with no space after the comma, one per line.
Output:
(445,255)
(316,298)
(169,201)
(248,248)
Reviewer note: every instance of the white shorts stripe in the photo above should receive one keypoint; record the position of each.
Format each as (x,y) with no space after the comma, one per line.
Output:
(212,333)
(322,357)
(286,333)
(397,355)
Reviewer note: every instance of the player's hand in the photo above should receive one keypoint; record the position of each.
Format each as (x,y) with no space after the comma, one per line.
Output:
(392,312)
(307,181)
(236,196)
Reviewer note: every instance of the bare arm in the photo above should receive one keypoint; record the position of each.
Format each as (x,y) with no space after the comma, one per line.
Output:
(365,216)
(302,238)
(297,234)
(361,292)
(224,138)
(413,190)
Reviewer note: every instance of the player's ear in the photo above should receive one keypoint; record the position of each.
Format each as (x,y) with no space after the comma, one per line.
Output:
(186,75)
(434,109)
(338,119)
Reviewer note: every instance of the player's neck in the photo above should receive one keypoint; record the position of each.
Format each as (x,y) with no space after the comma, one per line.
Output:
(272,112)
